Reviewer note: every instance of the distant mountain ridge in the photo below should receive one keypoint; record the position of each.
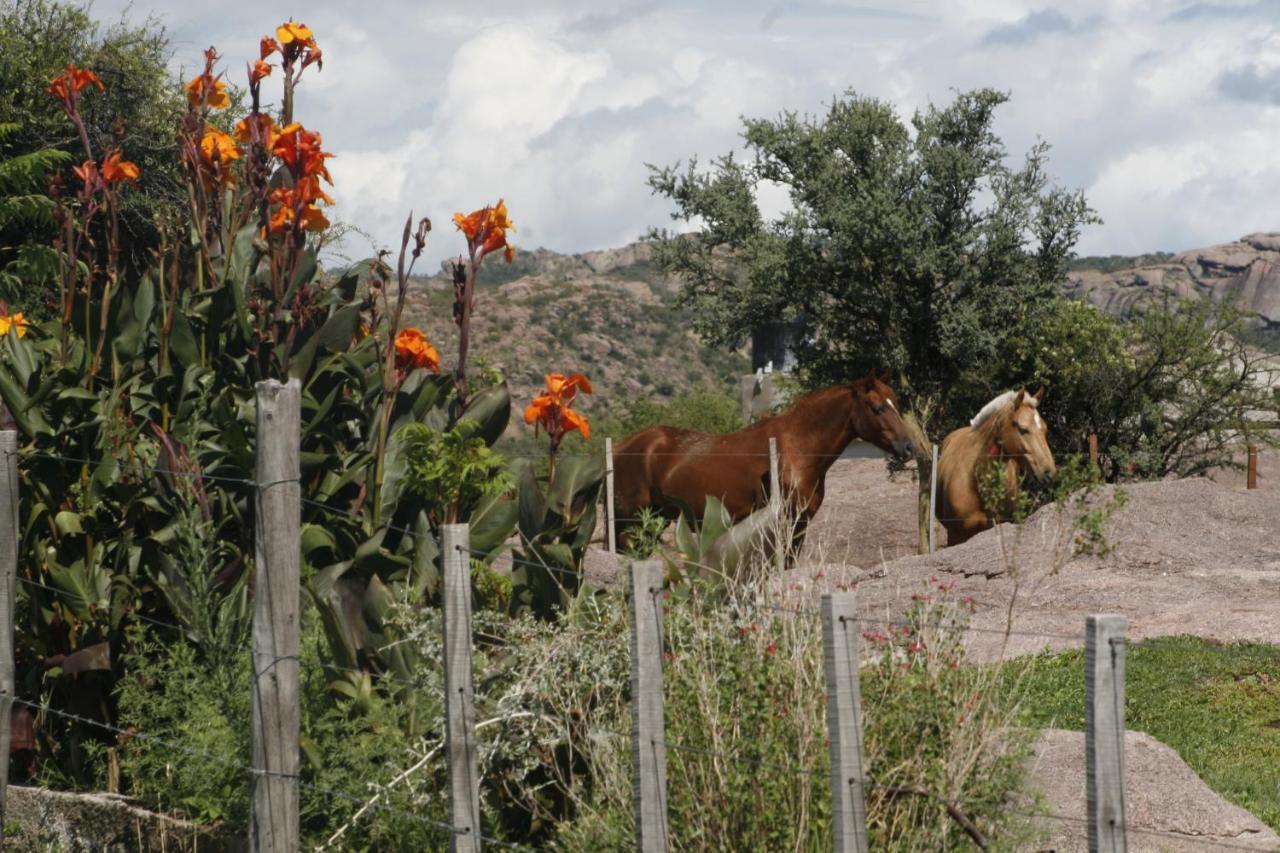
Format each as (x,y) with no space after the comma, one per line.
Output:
(614,316)
(1247,269)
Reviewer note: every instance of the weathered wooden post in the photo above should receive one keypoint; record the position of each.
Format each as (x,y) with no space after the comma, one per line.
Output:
(273,822)
(1104,732)
(648,748)
(610,514)
(1093,451)
(781,523)
(8,583)
(933,499)
(1251,481)
(844,721)
(459,688)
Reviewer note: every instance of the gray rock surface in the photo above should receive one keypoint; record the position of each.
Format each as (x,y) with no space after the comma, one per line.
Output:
(1167,806)
(1248,269)
(101,823)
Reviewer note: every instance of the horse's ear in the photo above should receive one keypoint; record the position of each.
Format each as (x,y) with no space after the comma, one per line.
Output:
(1040,395)
(883,375)
(1017,400)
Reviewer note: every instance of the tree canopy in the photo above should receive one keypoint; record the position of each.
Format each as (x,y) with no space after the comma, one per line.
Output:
(913,248)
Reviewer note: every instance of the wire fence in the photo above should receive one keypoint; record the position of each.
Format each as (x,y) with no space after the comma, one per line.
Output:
(570,576)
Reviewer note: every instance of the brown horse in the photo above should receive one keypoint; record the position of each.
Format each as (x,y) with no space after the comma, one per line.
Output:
(1008,431)
(662,467)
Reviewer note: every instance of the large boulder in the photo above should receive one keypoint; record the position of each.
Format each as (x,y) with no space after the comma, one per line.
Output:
(1248,270)
(1167,806)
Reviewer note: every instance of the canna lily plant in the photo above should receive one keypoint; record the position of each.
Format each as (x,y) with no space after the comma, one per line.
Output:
(557,514)
(135,405)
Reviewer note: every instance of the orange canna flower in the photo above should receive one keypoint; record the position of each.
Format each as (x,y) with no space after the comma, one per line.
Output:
(267,46)
(205,90)
(115,169)
(15,323)
(261,124)
(487,227)
(413,350)
(296,40)
(87,172)
(259,71)
(551,409)
(217,151)
(292,31)
(299,149)
(73,80)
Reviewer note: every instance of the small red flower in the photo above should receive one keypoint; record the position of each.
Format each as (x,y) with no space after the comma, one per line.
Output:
(771,648)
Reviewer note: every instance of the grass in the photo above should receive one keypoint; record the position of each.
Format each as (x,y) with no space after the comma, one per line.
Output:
(1217,705)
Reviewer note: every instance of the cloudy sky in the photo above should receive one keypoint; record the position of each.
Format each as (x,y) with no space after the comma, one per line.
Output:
(1167,114)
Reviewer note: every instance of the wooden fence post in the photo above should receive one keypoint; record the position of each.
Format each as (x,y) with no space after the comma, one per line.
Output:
(775,500)
(610,513)
(844,721)
(933,499)
(1252,478)
(1104,731)
(459,688)
(648,747)
(273,823)
(1093,451)
(8,582)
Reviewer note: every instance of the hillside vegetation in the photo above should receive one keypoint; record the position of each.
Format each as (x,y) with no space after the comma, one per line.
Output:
(609,314)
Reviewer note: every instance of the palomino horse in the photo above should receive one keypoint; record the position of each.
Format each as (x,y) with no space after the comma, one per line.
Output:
(1008,431)
(662,467)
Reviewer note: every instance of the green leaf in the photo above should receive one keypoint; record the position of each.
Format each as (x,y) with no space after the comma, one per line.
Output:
(491,410)
(68,523)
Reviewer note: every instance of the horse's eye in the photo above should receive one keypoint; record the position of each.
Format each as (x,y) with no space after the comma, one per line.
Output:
(877,410)
(1023,429)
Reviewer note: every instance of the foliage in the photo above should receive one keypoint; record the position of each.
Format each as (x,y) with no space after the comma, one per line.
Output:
(557,517)
(27,266)
(746,727)
(916,250)
(646,535)
(451,471)
(1215,704)
(1169,393)
(135,406)
(139,112)
(1115,263)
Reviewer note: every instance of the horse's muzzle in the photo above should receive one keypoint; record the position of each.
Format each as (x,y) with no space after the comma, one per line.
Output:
(904,450)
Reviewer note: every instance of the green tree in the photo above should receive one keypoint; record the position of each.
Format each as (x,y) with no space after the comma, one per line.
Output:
(139,112)
(915,249)
(1175,391)
(25,210)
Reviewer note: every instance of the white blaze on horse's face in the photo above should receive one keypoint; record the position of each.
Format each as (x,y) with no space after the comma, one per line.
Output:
(879,422)
(1026,437)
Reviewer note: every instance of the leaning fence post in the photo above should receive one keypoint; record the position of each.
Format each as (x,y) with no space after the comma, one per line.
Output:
(1093,451)
(273,824)
(844,721)
(459,688)
(1104,731)
(648,747)
(933,499)
(610,514)
(775,501)
(8,582)
(1252,479)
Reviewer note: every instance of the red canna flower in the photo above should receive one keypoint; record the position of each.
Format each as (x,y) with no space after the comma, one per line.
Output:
(205,90)
(413,351)
(217,152)
(257,128)
(486,230)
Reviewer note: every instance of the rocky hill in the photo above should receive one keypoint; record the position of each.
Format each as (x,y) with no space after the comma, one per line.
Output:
(1248,270)
(609,314)
(612,314)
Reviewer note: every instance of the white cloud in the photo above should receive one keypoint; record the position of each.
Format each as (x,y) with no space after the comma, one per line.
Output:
(1161,112)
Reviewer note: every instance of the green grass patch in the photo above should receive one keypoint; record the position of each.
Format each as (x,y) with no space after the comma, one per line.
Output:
(1217,705)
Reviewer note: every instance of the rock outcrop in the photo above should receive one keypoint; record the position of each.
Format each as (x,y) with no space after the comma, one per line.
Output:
(1247,270)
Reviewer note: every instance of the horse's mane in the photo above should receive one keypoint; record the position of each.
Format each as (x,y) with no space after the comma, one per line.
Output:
(1002,405)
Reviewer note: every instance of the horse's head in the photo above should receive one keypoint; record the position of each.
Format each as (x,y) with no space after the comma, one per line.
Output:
(1023,436)
(876,417)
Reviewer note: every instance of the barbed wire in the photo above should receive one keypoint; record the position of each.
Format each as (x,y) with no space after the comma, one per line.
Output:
(233,764)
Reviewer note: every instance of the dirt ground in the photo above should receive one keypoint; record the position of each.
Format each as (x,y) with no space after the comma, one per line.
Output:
(1190,556)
